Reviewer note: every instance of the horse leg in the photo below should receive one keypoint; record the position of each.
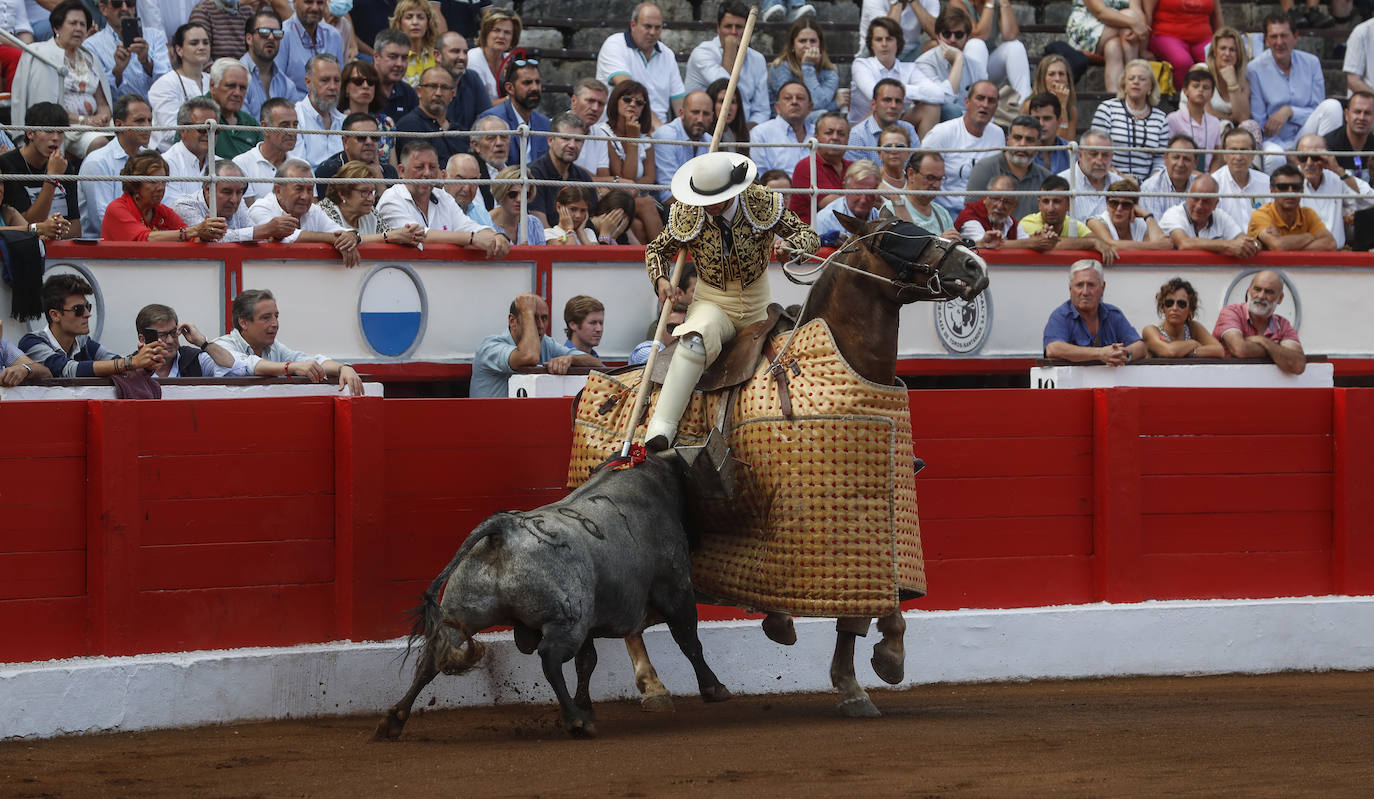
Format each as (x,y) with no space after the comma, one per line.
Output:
(680,612)
(889,655)
(779,628)
(654,697)
(586,664)
(854,701)
(554,651)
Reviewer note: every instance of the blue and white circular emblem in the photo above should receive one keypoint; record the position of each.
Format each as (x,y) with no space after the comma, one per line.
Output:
(392,309)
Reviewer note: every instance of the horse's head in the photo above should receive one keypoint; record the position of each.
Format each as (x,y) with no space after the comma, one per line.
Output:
(922,266)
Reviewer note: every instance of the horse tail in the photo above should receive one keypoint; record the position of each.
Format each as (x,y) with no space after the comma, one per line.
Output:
(427,617)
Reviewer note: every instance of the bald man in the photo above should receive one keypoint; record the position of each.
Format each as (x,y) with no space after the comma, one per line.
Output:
(1252,329)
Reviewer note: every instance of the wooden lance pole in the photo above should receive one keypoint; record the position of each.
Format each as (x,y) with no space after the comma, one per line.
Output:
(642,396)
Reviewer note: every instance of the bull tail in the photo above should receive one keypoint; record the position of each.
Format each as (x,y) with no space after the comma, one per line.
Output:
(427,617)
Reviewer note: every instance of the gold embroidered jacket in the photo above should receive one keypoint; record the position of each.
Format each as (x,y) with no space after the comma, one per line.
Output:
(762,214)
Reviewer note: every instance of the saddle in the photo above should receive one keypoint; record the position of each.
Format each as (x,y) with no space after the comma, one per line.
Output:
(739,357)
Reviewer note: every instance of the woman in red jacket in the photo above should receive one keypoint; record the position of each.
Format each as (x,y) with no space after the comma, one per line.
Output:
(139,215)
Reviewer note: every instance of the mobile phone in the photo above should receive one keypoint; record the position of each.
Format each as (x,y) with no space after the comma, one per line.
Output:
(149,335)
(130,28)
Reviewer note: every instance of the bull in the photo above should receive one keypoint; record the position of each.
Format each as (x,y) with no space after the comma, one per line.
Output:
(604,562)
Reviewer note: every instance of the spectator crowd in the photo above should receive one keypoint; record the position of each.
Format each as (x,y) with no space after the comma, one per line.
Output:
(945,122)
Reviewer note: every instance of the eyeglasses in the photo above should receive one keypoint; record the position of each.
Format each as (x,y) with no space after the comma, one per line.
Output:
(1121,203)
(122,3)
(166,335)
(274,33)
(366,191)
(437,87)
(1286,186)
(1171,302)
(937,179)
(1311,157)
(80,309)
(367,137)
(955,34)
(637,102)
(362,80)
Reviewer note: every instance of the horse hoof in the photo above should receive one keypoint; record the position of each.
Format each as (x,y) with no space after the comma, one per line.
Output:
(658,703)
(780,629)
(859,708)
(888,665)
(389,728)
(582,729)
(716,693)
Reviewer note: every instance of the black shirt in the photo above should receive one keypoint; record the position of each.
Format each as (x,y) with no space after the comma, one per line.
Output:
(20,194)
(545,197)
(1339,141)
(417,122)
(333,163)
(401,101)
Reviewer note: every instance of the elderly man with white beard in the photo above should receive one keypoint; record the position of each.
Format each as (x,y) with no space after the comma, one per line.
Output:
(988,222)
(1251,329)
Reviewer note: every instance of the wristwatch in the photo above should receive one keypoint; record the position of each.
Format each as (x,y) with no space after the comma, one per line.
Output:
(33,228)
(1346,175)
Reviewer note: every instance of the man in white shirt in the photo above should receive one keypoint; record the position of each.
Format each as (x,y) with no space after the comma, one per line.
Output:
(956,139)
(132,69)
(1359,59)
(1197,224)
(319,109)
(297,200)
(423,204)
(1180,168)
(790,125)
(637,54)
(1236,177)
(588,103)
(254,343)
(1331,191)
(889,98)
(712,60)
(187,157)
(266,157)
(94,196)
(194,207)
(1091,174)
(463,166)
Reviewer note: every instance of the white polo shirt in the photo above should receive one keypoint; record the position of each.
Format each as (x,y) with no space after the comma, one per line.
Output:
(1219,226)
(267,208)
(659,73)
(397,208)
(1334,200)
(1240,208)
(315,150)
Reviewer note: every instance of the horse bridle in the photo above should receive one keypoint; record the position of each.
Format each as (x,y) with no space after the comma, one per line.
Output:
(906,261)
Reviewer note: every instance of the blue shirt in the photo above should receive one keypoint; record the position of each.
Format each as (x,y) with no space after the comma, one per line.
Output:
(491,369)
(865,134)
(538,144)
(297,48)
(278,86)
(1302,89)
(668,157)
(94,196)
(478,212)
(134,80)
(1055,161)
(775,131)
(1066,324)
(826,221)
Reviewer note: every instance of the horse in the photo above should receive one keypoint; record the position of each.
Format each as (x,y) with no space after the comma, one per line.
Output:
(860,291)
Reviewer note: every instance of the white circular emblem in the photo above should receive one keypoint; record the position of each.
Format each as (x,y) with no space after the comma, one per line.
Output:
(963,325)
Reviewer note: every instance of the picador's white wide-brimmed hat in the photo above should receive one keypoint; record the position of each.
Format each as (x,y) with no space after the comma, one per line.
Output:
(713,178)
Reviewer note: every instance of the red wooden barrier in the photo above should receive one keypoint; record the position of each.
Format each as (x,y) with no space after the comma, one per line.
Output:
(140,527)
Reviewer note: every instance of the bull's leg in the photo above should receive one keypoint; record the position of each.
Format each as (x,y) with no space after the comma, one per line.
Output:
(389,728)
(681,615)
(854,701)
(586,664)
(553,653)
(889,654)
(654,697)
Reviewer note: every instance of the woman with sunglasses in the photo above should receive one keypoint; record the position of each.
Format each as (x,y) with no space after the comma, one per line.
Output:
(418,20)
(353,205)
(804,58)
(628,117)
(190,54)
(1126,223)
(506,215)
(499,33)
(139,215)
(1178,334)
(359,95)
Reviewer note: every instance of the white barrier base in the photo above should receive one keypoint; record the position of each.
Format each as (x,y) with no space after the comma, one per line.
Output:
(88,695)
(545,385)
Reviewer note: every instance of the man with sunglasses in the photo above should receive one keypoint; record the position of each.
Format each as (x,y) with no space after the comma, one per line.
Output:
(1085,328)
(524,90)
(365,148)
(263,34)
(200,358)
(65,346)
(132,69)
(430,116)
(1331,191)
(1283,223)
(1252,329)
(937,65)
(319,109)
(306,35)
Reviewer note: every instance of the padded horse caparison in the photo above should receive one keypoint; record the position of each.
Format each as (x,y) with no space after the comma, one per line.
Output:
(739,357)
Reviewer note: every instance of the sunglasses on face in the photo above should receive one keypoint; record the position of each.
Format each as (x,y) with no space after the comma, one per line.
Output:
(637,102)
(274,33)
(360,80)
(367,137)
(80,309)
(1171,302)
(122,3)
(1287,187)
(1311,157)
(1121,203)
(956,35)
